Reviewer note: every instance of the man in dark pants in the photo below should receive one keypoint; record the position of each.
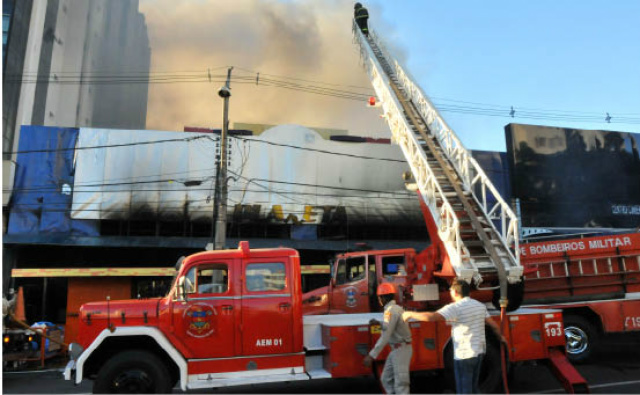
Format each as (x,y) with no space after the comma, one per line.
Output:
(362,16)
(467,318)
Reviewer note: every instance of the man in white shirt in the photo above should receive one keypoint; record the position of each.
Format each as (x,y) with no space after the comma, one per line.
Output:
(467,317)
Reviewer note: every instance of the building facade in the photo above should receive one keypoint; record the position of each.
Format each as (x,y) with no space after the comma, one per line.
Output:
(65,63)
(123,202)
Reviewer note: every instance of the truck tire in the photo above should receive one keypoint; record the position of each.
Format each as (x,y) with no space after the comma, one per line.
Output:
(581,337)
(133,372)
(515,295)
(490,372)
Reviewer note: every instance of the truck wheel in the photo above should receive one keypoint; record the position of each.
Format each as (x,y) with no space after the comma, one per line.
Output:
(490,372)
(515,295)
(581,338)
(133,372)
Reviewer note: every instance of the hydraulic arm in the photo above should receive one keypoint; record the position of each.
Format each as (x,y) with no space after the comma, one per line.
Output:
(476,228)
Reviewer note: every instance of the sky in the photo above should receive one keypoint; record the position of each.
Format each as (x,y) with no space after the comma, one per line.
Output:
(557,63)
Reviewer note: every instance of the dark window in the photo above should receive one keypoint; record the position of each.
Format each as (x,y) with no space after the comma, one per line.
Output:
(341,272)
(351,269)
(151,287)
(393,265)
(356,268)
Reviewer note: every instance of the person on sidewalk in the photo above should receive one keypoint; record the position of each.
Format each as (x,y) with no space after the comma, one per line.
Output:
(396,333)
(468,318)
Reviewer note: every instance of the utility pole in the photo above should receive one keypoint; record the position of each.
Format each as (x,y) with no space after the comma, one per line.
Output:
(221,220)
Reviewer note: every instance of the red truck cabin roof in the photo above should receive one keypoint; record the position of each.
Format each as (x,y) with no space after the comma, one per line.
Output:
(241,253)
(399,251)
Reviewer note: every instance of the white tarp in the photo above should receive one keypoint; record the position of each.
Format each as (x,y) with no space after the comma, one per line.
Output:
(134,174)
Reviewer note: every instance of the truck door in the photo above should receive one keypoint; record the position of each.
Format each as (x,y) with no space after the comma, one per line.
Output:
(351,289)
(204,320)
(267,307)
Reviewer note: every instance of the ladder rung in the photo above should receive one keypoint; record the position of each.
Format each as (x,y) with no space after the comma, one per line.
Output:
(468,231)
(479,242)
(482,264)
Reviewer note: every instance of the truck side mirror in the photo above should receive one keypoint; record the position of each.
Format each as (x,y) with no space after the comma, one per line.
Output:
(182,292)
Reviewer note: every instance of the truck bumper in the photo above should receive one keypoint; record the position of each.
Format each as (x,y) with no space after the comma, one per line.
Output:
(70,371)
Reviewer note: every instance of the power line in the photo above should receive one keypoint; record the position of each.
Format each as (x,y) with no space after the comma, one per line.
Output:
(367,88)
(48,188)
(212,139)
(318,150)
(320,88)
(186,139)
(310,194)
(501,107)
(66,208)
(208,212)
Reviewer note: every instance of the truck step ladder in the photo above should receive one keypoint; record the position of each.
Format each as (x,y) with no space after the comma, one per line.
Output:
(477,227)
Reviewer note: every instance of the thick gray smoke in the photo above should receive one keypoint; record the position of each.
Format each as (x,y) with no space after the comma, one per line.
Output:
(310,40)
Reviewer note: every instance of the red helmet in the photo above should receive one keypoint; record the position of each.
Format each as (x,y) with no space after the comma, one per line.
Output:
(386,288)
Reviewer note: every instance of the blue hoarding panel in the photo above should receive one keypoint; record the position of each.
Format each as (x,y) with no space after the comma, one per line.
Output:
(42,195)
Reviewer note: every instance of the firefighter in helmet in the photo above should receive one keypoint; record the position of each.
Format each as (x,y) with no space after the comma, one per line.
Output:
(396,333)
(361,15)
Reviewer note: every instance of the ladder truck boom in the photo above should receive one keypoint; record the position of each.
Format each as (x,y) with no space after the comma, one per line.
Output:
(476,230)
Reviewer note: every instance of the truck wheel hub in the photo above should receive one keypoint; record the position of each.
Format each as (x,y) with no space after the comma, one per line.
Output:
(577,340)
(132,381)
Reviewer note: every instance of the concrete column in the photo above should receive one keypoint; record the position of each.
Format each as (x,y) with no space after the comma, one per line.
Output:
(30,69)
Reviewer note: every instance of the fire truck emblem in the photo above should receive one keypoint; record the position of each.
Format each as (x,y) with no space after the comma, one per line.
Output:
(351,293)
(198,319)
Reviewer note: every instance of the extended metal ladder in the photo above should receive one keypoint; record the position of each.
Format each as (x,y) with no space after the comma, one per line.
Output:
(477,227)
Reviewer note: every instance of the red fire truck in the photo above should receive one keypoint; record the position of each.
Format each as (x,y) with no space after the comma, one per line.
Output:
(595,281)
(236,317)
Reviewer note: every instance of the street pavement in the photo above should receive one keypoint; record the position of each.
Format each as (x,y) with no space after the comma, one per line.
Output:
(615,369)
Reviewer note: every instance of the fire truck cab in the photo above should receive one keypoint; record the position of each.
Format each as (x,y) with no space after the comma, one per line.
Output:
(227,311)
